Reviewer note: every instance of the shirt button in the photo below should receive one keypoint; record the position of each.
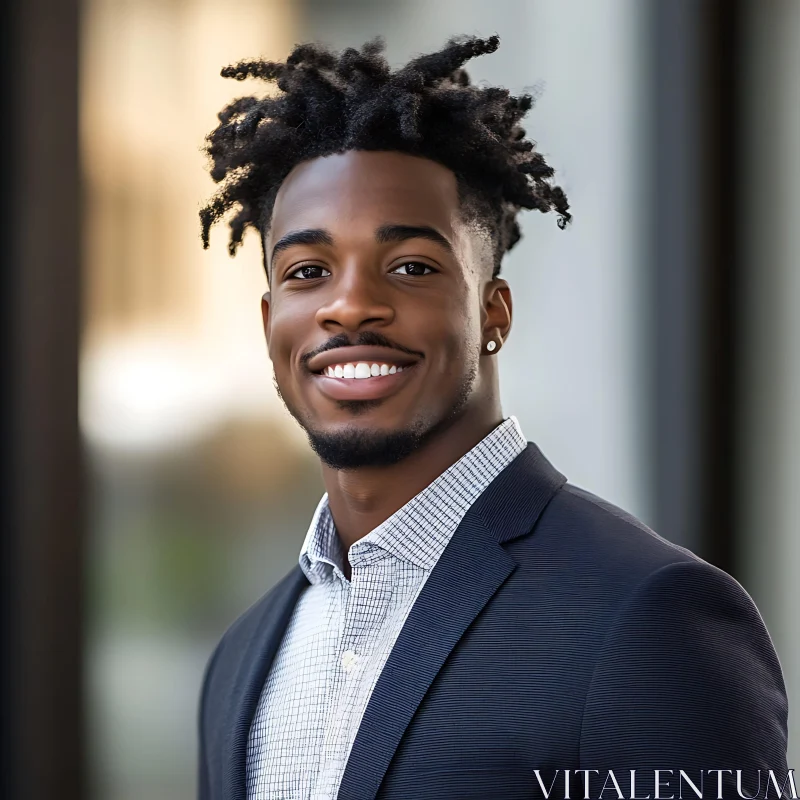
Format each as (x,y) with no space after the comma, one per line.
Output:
(349,659)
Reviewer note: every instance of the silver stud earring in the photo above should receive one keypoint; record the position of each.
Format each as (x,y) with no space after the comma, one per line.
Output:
(491,346)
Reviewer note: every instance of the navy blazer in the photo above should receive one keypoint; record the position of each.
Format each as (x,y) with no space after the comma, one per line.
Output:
(556,633)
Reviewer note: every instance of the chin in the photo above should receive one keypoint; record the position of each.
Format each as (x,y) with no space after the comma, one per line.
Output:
(354,446)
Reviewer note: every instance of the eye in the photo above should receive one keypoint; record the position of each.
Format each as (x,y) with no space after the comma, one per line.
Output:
(308,272)
(414,268)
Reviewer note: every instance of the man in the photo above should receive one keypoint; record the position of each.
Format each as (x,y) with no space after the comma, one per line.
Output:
(463,623)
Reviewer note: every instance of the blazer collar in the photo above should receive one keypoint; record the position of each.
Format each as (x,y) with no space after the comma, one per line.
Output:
(512,503)
(472,567)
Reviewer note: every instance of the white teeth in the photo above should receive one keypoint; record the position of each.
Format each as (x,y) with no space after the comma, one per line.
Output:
(360,370)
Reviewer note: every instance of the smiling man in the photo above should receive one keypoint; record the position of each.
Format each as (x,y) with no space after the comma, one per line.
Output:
(463,623)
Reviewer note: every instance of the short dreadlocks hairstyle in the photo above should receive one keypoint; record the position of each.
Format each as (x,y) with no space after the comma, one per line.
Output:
(334,102)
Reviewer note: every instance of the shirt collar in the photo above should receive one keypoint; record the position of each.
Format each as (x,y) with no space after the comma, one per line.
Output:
(322,550)
(419,531)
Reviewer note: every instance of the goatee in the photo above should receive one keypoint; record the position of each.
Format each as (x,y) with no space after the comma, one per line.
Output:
(355,447)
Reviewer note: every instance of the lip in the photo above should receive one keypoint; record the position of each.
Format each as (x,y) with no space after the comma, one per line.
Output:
(375,388)
(352,355)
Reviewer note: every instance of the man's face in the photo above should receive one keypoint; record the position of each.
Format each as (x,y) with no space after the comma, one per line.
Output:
(356,291)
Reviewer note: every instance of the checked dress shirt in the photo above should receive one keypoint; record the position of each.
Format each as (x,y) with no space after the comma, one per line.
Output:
(342,631)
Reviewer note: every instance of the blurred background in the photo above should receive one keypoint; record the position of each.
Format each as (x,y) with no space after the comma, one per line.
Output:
(155,486)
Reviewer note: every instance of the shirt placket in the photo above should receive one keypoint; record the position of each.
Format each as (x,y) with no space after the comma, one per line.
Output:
(364,605)
(369,616)
(337,697)
(337,602)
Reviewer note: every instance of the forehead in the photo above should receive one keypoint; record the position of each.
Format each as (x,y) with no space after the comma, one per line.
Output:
(358,190)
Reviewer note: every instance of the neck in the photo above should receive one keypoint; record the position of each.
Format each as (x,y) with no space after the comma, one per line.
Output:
(362,499)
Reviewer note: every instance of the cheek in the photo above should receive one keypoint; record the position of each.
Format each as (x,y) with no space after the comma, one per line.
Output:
(284,337)
(465,313)
(457,336)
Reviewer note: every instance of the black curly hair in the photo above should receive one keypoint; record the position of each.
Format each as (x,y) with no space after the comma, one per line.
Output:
(334,102)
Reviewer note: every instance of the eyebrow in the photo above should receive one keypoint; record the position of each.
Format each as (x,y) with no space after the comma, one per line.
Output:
(383,235)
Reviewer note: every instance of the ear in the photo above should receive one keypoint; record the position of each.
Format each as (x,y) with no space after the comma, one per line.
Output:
(497,305)
(265,308)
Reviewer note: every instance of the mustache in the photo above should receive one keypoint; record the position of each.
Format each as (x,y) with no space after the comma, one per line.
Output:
(363,339)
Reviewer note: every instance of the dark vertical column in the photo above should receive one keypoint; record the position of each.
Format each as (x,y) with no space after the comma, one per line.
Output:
(42,524)
(721,330)
(696,271)
(6,549)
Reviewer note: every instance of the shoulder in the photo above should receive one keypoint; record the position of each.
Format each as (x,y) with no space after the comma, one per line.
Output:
(601,524)
(685,657)
(679,648)
(651,568)
(602,562)
(596,539)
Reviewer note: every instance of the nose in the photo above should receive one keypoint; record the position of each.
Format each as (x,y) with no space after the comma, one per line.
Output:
(356,300)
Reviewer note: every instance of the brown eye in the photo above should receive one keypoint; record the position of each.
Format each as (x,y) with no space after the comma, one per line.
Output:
(414,268)
(309,272)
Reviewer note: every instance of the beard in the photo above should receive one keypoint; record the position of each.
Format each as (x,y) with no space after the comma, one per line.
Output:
(355,447)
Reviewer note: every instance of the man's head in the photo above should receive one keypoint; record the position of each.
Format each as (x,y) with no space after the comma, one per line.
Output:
(385,202)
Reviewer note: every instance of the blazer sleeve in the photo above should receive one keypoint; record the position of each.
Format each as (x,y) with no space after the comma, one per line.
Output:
(687,679)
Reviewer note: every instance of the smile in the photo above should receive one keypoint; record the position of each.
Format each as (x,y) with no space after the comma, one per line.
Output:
(361,373)
(360,370)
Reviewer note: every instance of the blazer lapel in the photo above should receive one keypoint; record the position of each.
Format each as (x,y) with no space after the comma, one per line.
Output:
(258,650)
(472,568)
